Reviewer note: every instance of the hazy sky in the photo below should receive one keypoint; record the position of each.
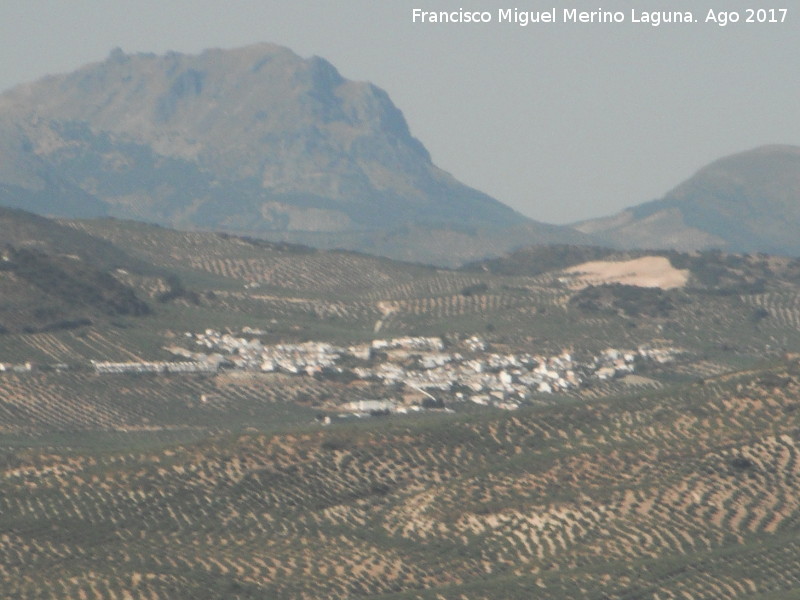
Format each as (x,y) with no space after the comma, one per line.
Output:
(561,121)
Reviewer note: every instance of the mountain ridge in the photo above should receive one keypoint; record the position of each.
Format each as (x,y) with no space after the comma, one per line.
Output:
(256,141)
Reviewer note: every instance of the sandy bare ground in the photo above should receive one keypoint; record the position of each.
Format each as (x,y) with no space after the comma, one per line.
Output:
(648,271)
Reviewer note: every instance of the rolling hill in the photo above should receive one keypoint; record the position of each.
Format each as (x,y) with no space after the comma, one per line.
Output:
(689,492)
(747,202)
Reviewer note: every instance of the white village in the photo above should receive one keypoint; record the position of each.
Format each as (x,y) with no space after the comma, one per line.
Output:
(467,370)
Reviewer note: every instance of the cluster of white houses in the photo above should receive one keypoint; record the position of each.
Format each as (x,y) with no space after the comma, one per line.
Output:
(468,368)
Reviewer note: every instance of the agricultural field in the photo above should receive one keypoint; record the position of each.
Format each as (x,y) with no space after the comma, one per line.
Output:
(725,308)
(677,481)
(688,493)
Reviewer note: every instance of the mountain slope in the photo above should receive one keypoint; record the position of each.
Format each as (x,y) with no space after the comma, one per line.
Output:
(27,180)
(747,202)
(255,140)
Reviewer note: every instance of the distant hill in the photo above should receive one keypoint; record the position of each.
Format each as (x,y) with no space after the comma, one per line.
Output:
(255,141)
(748,202)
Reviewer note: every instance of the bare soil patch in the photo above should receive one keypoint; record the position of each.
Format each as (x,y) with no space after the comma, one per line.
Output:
(647,271)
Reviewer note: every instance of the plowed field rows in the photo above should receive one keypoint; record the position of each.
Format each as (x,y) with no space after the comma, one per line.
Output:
(691,494)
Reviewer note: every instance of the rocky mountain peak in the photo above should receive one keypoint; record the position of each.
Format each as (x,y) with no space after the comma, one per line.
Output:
(254,140)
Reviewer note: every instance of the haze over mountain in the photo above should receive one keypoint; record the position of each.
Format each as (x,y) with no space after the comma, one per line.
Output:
(255,140)
(747,202)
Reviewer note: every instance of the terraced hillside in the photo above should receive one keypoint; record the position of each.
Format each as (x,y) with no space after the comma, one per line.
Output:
(523,292)
(682,493)
(678,480)
(732,310)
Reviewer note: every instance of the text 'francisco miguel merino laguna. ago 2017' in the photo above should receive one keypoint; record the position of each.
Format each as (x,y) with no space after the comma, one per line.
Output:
(573,15)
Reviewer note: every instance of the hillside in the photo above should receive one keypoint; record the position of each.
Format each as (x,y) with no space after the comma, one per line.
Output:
(46,293)
(54,277)
(748,202)
(24,229)
(255,141)
(729,307)
(299,423)
(535,260)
